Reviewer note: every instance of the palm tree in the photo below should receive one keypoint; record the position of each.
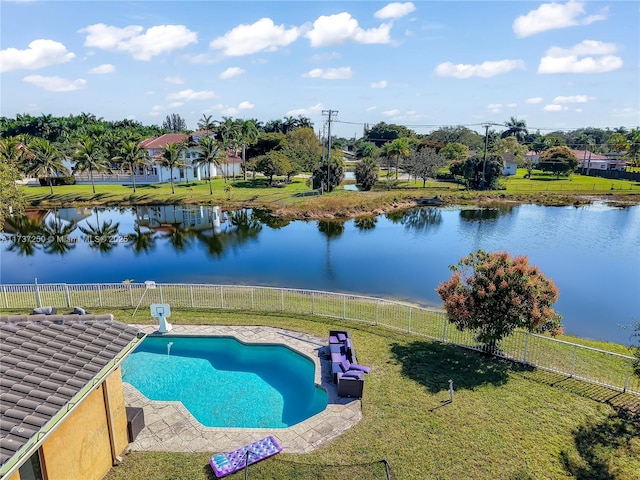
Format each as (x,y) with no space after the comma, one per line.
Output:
(133,155)
(398,148)
(248,135)
(367,173)
(585,141)
(206,123)
(516,128)
(89,156)
(171,158)
(47,161)
(210,152)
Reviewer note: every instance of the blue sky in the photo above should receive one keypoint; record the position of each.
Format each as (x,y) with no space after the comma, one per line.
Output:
(424,64)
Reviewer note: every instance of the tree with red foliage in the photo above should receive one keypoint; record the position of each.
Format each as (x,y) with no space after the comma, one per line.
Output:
(492,294)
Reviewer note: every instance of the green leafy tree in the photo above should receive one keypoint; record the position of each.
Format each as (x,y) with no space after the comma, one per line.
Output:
(633,154)
(367,173)
(367,149)
(558,160)
(303,149)
(272,164)
(12,201)
(89,156)
(210,153)
(172,158)
(464,135)
(46,161)
(328,175)
(478,172)
(382,133)
(492,294)
(455,151)
(132,155)
(424,164)
(617,142)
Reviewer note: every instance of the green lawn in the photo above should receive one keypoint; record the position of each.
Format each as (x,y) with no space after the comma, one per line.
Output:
(506,421)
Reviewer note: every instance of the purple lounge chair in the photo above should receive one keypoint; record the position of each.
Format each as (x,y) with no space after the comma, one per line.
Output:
(224,464)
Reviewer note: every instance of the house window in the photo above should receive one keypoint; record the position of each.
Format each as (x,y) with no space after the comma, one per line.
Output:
(31,469)
(181,173)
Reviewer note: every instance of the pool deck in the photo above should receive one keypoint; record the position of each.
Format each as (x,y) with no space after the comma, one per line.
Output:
(170,427)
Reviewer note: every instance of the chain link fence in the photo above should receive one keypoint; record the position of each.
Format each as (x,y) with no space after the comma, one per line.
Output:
(575,361)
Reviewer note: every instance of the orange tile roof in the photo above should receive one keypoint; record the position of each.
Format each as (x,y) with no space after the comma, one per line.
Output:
(163,141)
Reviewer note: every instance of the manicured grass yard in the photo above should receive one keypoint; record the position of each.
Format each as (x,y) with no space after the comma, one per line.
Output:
(506,421)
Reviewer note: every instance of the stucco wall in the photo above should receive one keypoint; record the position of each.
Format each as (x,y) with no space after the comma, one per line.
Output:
(79,448)
(118,411)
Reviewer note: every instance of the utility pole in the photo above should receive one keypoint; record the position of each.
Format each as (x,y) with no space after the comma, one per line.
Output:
(331,114)
(486,146)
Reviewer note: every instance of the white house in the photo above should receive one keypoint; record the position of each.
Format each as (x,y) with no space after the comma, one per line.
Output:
(189,157)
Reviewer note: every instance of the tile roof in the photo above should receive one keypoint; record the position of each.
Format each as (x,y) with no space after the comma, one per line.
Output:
(163,140)
(45,361)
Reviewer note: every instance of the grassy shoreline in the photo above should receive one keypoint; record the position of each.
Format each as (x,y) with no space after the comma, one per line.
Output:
(296,201)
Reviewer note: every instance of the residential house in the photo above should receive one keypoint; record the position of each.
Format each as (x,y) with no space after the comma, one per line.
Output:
(62,409)
(594,161)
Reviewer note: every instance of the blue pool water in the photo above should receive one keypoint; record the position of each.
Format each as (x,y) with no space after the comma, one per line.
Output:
(225,383)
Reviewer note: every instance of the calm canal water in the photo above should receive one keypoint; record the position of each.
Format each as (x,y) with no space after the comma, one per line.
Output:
(592,253)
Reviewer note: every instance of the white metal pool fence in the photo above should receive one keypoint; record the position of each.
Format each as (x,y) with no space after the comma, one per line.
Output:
(576,361)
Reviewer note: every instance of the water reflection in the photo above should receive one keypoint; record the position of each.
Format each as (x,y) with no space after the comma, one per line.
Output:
(480,214)
(422,219)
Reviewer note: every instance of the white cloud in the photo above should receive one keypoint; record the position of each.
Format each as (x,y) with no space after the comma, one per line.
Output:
(494,107)
(325,56)
(555,108)
(55,84)
(572,99)
(340,73)
(395,10)
(371,109)
(262,35)
(586,47)
(156,110)
(41,53)
(550,16)
(380,84)
(102,69)
(484,70)
(189,94)
(573,64)
(175,104)
(391,113)
(174,80)
(306,112)
(229,111)
(533,100)
(342,27)
(245,105)
(141,46)
(231,72)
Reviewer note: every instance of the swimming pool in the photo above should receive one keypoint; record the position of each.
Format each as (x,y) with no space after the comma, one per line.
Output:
(226,383)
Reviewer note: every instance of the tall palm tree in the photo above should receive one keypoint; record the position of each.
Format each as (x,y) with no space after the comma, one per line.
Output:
(398,148)
(248,135)
(206,123)
(516,128)
(210,152)
(172,158)
(133,155)
(47,161)
(89,156)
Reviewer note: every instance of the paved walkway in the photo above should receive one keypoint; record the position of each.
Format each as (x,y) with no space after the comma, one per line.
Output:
(170,427)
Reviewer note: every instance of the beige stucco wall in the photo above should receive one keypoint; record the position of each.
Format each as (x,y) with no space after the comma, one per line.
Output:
(118,411)
(80,447)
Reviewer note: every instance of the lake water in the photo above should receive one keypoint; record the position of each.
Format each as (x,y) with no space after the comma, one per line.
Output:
(592,253)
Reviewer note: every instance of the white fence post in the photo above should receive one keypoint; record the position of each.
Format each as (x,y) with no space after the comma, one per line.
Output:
(221,297)
(66,295)
(573,362)
(526,343)
(344,306)
(38,301)
(252,300)
(191,294)
(377,303)
(313,302)
(6,298)
(409,321)
(161,296)
(131,295)
(626,380)
(282,299)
